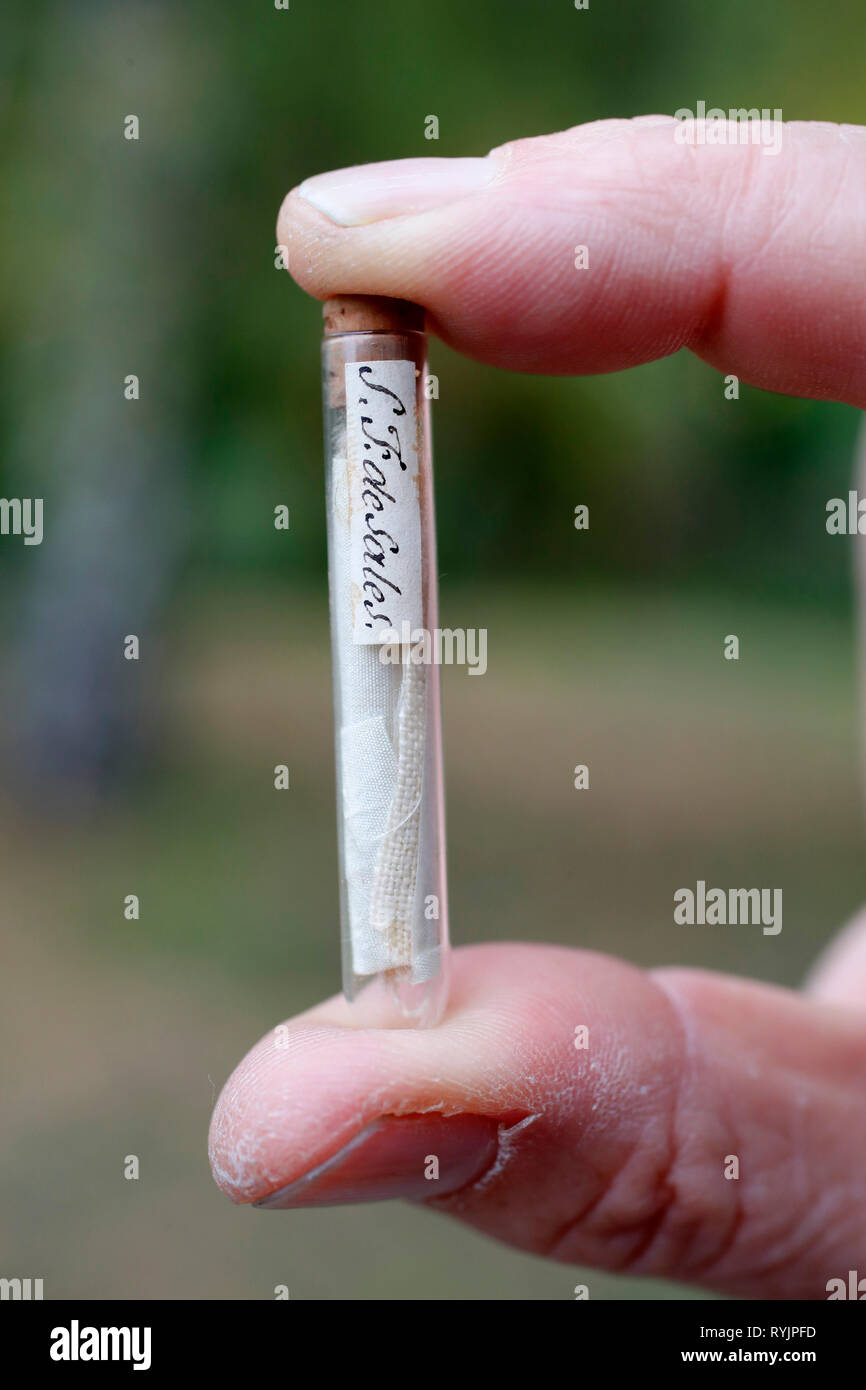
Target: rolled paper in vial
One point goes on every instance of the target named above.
(383, 599)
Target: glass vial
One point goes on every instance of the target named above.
(384, 616)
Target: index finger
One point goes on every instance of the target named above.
(612, 244)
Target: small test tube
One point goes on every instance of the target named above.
(384, 612)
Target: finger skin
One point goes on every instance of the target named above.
(839, 974)
(621, 1159)
(754, 261)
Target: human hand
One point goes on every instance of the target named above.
(615, 1155)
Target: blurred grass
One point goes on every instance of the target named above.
(729, 771)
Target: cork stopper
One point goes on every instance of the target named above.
(371, 313)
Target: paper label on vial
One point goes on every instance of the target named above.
(384, 499)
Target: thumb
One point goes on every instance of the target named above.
(678, 1124)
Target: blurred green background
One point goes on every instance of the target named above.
(156, 257)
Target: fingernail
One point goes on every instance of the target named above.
(413, 1157)
(373, 192)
